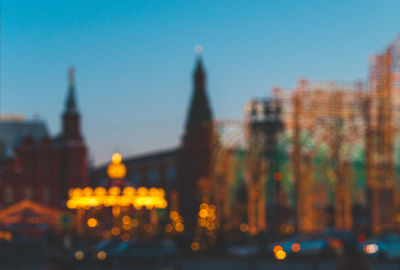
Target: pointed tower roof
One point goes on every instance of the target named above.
(71, 103)
(199, 111)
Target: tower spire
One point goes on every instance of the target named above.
(71, 117)
(199, 76)
(71, 103)
(199, 111)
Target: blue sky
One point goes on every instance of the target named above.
(134, 59)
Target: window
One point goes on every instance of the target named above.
(153, 176)
(136, 178)
(171, 175)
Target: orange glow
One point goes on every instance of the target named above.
(92, 222)
(116, 211)
(169, 228)
(203, 206)
(195, 246)
(296, 247)
(278, 176)
(244, 227)
(115, 231)
(126, 220)
(276, 248)
(101, 255)
(179, 227)
(79, 255)
(125, 237)
(174, 215)
(203, 213)
(126, 227)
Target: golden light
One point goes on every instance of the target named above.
(296, 247)
(116, 211)
(179, 227)
(195, 246)
(169, 228)
(126, 227)
(87, 191)
(115, 231)
(92, 222)
(244, 227)
(100, 191)
(126, 220)
(116, 170)
(125, 237)
(203, 206)
(79, 255)
(174, 215)
(116, 158)
(280, 254)
(203, 213)
(101, 255)
(203, 223)
(114, 191)
(277, 247)
(143, 197)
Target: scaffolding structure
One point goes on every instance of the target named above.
(330, 116)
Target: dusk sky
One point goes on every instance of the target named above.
(134, 59)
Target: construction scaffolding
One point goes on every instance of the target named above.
(325, 122)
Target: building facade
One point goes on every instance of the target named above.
(35, 166)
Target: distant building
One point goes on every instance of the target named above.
(151, 170)
(35, 166)
(178, 171)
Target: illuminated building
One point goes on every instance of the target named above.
(116, 209)
(177, 170)
(35, 166)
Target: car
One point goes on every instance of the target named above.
(315, 245)
(142, 251)
(89, 253)
(385, 246)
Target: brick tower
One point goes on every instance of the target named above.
(195, 155)
(73, 151)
